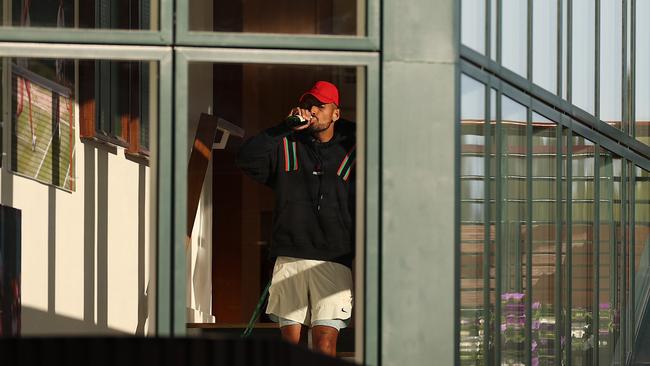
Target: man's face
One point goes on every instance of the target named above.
(324, 114)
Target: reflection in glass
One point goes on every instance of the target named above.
(514, 36)
(473, 24)
(99, 14)
(611, 26)
(472, 307)
(545, 44)
(544, 183)
(641, 236)
(84, 201)
(565, 239)
(583, 62)
(642, 73)
(609, 280)
(565, 48)
(286, 16)
(513, 231)
(582, 247)
(43, 125)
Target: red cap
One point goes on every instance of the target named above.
(324, 91)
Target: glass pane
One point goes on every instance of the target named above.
(545, 44)
(642, 73)
(565, 266)
(492, 267)
(338, 17)
(611, 26)
(582, 247)
(583, 66)
(641, 236)
(513, 231)
(84, 203)
(493, 30)
(609, 281)
(565, 48)
(472, 243)
(102, 14)
(544, 186)
(473, 24)
(514, 36)
(237, 230)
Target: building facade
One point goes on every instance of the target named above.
(501, 173)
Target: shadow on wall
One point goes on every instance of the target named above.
(45, 323)
(94, 320)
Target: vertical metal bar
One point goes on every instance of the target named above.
(179, 190)
(623, 297)
(529, 43)
(557, 303)
(499, 30)
(164, 177)
(625, 79)
(632, 76)
(569, 242)
(612, 256)
(488, 29)
(632, 258)
(529, 233)
(569, 50)
(597, 61)
(560, 46)
(486, 229)
(596, 257)
(499, 233)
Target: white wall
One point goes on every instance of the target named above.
(199, 253)
(84, 253)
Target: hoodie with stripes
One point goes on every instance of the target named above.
(314, 189)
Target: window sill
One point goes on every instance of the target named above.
(140, 158)
(100, 144)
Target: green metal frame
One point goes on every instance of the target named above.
(97, 36)
(574, 127)
(187, 55)
(161, 156)
(370, 42)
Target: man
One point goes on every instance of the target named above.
(310, 169)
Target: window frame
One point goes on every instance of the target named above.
(368, 140)
(163, 36)
(369, 42)
(163, 279)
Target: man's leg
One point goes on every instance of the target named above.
(291, 333)
(324, 339)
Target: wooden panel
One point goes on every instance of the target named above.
(199, 158)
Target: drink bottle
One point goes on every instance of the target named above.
(295, 120)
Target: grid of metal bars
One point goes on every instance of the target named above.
(571, 121)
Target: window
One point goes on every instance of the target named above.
(43, 128)
(333, 17)
(122, 89)
(106, 14)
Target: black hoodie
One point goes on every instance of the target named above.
(314, 190)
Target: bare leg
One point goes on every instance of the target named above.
(324, 339)
(291, 333)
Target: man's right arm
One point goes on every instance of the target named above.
(258, 156)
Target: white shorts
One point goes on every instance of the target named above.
(306, 290)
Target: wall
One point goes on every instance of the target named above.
(199, 253)
(418, 106)
(84, 253)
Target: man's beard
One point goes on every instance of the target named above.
(319, 127)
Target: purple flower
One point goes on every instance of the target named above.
(512, 296)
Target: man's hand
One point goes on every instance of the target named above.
(304, 113)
